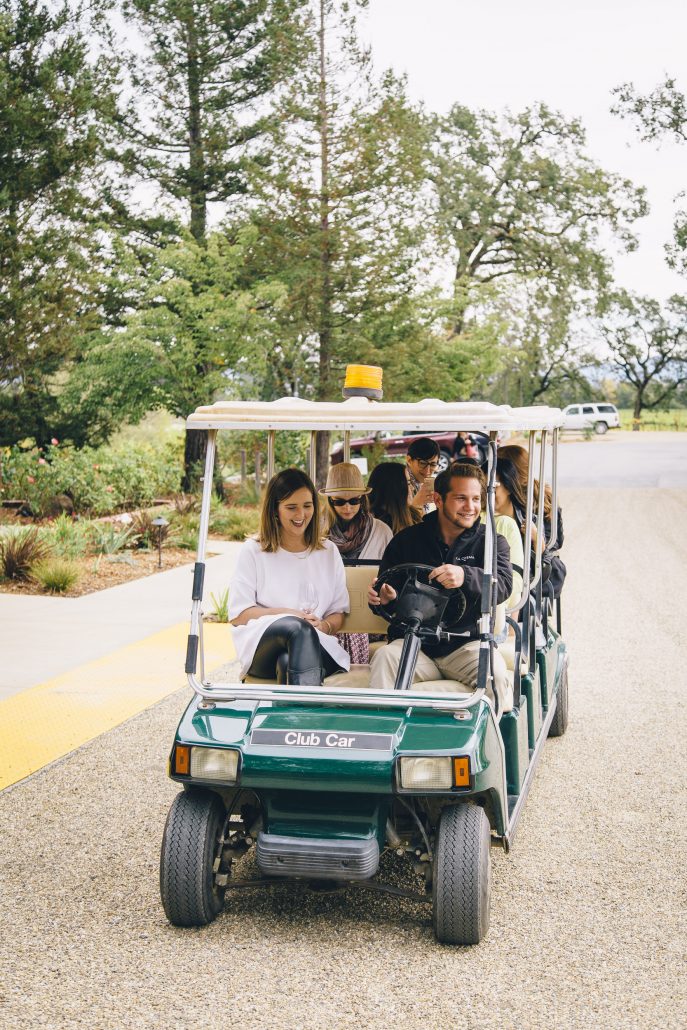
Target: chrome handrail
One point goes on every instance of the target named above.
(352, 697)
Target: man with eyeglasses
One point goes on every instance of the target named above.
(422, 465)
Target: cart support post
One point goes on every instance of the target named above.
(194, 638)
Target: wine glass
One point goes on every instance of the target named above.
(307, 598)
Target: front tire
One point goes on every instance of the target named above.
(600, 428)
(461, 886)
(189, 845)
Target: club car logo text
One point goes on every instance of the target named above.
(323, 738)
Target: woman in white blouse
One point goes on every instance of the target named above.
(288, 595)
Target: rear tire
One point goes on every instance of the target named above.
(559, 723)
(461, 886)
(600, 428)
(189, 845)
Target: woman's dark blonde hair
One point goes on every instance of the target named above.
(280, 488)
(519, 458)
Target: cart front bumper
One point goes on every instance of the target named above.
(317, 857)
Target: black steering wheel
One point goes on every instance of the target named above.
(430, 603)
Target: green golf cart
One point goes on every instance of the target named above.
(320, 781)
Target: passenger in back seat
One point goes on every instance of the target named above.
(354, 532)
(452, 540)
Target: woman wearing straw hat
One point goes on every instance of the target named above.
(348, 522)
(355, 533)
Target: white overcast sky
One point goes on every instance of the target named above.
(569, 55)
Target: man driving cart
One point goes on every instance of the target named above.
(451, 540)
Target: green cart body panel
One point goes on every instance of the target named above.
(312, 788)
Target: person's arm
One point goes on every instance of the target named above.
(474, 575)
(330, 624)
(393, 555)
(424, 495)
(504, 570)
(256, 611)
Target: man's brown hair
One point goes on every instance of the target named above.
(459, 470)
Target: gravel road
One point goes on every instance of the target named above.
(588, 911)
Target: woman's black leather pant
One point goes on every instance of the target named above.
(290, 650)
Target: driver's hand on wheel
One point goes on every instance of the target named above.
(449, 576)
(386, 594)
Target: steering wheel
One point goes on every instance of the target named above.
(445, 607)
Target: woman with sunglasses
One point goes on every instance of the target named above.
(355, 533)
(288, 593)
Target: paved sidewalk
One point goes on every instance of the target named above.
(42, 637)
(76, 667)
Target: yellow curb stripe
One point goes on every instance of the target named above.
(49, 720)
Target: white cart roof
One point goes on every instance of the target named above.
(358, 413)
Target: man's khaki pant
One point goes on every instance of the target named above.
(460, 665)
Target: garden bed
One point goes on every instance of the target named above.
(107, 571)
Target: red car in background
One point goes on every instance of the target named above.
(451, 445)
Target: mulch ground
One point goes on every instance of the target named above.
(108, 571)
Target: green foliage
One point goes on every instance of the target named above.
(340, 215)
(144, 534)
(673, 421)
(290, 450)
(67, 538)
(56, 575)
(108, 538)
(98, 481)
(200, 91)
(648, 346)
(20, 551)
(234, 523)
(220, 609)
(184, 530)
(185, 503)
(55, 100)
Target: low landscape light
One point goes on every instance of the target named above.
(160, 524)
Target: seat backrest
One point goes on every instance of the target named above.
(360, 619)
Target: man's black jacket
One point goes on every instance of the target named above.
(424, 545)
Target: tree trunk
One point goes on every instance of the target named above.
(637, 413)
(195, 447)
(196, 170)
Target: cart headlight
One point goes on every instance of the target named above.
(213, 763)
(426, 773)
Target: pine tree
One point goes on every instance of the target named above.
(338, 213)
(54, 102)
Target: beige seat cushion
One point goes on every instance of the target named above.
(360, 619)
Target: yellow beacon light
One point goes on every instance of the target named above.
(363, 381)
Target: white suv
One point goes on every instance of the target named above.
(600, 417)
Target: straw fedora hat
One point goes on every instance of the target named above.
(344, 478)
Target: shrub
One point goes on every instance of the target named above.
(56, 575)
(144, 534)
(98, 481)
(184, 504)
(184, 530)
(220, 610)
(67, 538)
(235, 523)
(107, 538)
(20, 551)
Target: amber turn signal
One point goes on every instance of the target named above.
(461, 772)
(182, 760)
